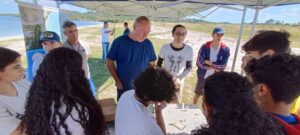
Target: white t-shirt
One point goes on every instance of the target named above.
(133, 118)
(74, 127)
(214, 53)
(105, 36)
(11, 107)
(213, 58)
(175, 61)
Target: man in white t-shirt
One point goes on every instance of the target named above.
(153, 86)
(177, 57)
(105, 32)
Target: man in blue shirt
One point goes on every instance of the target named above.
(133, 53)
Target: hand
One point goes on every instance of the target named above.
(217, 70)
(208, 62)
(177, 82)
(119, 85)
(160, 106)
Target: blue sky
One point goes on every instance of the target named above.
(288, 13)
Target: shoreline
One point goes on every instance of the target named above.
(19, 37)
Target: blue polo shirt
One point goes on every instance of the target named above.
(131, 58)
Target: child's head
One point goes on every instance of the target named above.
(230, 108)
(50, 40)
(218, 33)
(10, 65)
(267, 42)
(276, 79)
(155, 85)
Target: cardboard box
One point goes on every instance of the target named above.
(109, 108)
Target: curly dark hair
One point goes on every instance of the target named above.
(60, 81)
(281, 73)
(7, 56)
(278, 41)
(155, 84)
(235, 111)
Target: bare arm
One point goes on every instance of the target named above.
(112, 70)
(159, 116)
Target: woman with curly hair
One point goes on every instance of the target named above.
(13, 90)
(230, 108)
(60, 101)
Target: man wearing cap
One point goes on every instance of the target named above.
(50, 40)
(212, 57)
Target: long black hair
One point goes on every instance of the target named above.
(60, 81)
(235, 111)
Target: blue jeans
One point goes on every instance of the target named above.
(105, 47)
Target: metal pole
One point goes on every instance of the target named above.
(252, 32)
(239, 38)
(114, 23)
(255, 19)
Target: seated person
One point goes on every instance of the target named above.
(276, 82)
(13, 90)
(230, 108)
(153, 86)
(60, 101)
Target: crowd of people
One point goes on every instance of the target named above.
(61, 101)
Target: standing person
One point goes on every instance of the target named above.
(13, 90)
(153, 86)
(133, 53)
(59, 101)
(268, 43)
(230, 108)
(105, 32)
(276, 81)
(71, 31)
(212, 57)
(177, 57)
(127, 30)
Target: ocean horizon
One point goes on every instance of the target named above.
(11, 26)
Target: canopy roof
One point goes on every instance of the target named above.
(168, 8)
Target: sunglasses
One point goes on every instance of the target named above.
(47, 35)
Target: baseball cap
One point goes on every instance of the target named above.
(219, 30)
(49, 36)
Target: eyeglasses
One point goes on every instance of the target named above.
(180, 34)
(220, 34)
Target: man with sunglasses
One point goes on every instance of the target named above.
(212, 57)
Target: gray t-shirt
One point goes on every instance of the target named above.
(175, 61)
(80, 49)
